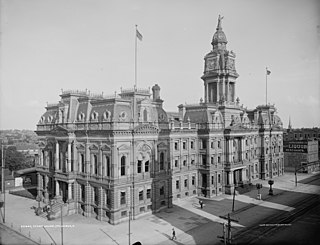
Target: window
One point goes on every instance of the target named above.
(95, 162)
(139, 166)
(184, 145)
(96, 195)
(212, 145)
(108, 166)
(191, 145)
(204, 159)
(177, 184)
(219, 159)
(192, 161)
(108, 196)
(212, 180)
(122, 197)
(184, 162)
(161, 161)
(161, 190)
(146, 166)
(204, 144)
(148, 193)
(83, 193)
(212, 161)
(193, 180)
(176, 145)
(140, 195)
(176, 163)
(219, 144)
(219, 178)
(186, 183)
(82, 163)
(123, 165)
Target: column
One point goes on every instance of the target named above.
(74, 160)
(57, 188)
(224, 89)
(69, 157)
(206, 92)
(87, 159)
(218, 90)
(100, 163)
(46, 194)
(57, 156)
(41, 157)
(69, 191)
(39, 185)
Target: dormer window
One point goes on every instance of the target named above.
(94, 115)
(42, 119)
(106, 115)
(50, 118)
(81, 116)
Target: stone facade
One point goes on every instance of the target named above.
(121, 156)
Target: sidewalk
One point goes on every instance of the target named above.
(185, 216)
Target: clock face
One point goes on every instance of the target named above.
(210, 64)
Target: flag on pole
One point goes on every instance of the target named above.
(268, 72)
(138, 34)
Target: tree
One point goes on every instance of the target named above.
(14, 160)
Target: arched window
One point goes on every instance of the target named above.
(161, 161)
(50, 159)
(146, 166)
(123, 165)
(145, 115)
(82, 164)
(108, 166)
(95, 164)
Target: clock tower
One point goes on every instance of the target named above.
(219, 74)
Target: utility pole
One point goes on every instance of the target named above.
(3, 185)
(61, 226)
(227, 239)
(234, 194)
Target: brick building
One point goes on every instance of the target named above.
(110, 157)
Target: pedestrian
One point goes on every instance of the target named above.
(173, 234)
(201, 204)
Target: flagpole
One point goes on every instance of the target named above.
(266, 85)
(135, 59)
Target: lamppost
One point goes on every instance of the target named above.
(259, 186)
(270, 182)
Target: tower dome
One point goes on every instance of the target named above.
(219, 39)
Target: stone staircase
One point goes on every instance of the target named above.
(54, 210)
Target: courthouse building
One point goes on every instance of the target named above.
(112, 157)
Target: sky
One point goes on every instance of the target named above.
(49, 45)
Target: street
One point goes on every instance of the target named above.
(291, 214)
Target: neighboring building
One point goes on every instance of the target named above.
(8, 180)
(301, 148)
(124, 155)
(301, 153)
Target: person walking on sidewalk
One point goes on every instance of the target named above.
(201, 204)
(173, 234)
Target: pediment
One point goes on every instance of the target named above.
(105, 148)
(59, 131)
(146, 129)
(80, 147)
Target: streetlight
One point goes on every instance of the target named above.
(270, 182)
(259, 186)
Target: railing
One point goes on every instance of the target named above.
(139, 90)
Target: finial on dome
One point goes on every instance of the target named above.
(219, 23)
